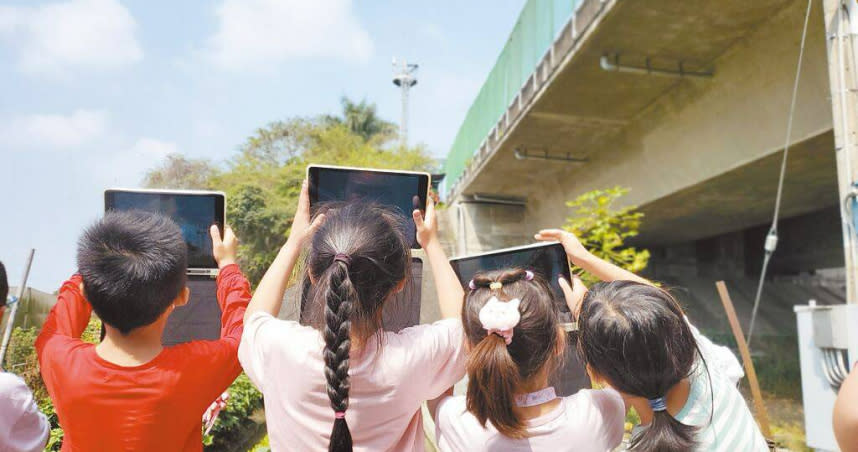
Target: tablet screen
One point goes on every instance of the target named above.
(547, 260)
(401, 191)
(193, 212)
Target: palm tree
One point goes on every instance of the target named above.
(362, 119)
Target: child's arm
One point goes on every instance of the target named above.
(68, 318)
(447, 285)
(215, 363)
(580, 257)
(846, 413)
(269, 293)
(233, 289)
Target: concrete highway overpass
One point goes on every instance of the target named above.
(696, 130)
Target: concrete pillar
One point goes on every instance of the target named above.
(841, 28)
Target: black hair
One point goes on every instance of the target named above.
(4, 285)
(636, 336)
(133, 265)
(496, 370)
(357, 257)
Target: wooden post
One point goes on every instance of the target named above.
(760, 408)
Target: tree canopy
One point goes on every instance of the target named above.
(263, 180)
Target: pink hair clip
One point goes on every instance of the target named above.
(528, 275)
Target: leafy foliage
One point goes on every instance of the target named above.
(603, 229)
(178, 171)
(235, 420)
(361, 119)
(263, 180)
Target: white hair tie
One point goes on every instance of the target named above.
(498, 317)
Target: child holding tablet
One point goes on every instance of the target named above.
(516, 342)
(343, 383)
(635, 338)
(130, 392)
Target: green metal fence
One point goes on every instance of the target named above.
(538, 24)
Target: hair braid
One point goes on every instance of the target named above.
(338, 309)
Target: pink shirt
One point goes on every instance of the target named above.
(590, 420)
(388, 384)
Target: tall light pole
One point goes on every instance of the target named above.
(404, 76)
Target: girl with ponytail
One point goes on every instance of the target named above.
(516, 343)
(635, 338)
(342, 383)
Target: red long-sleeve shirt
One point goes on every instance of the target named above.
(156, 406)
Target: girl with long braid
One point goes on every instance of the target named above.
(342, 383)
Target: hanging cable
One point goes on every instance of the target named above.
(772, 237)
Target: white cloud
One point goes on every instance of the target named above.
(53, 131)
(56, 38)
(127, 166)
(150, 149)
(261, 33)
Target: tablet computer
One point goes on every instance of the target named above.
(547, 260)
(199, 319)
(193, 210)
(403, 191)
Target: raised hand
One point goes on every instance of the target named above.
(574, 295)
(574, 248)
(302, 227)
(224, 250)
(427, 226)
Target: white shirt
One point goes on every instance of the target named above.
(23, 428)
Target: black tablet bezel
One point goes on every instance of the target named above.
(220, 208)
(423, 182)
(557, 247)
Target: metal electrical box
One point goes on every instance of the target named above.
(828, 349)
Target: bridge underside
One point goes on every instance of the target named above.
(744, 197)
(700, 155)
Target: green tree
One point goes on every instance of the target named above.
(263, 181)
(362, 120)
(178, 171)
(603, 229)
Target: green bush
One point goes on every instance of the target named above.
(234, 424)
(603, 229)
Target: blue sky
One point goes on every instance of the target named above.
(97, 91)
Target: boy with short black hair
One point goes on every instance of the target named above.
(129, 392)
(23, 428)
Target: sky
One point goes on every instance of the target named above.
(95, 92)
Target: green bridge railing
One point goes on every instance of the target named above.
(538, 24)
